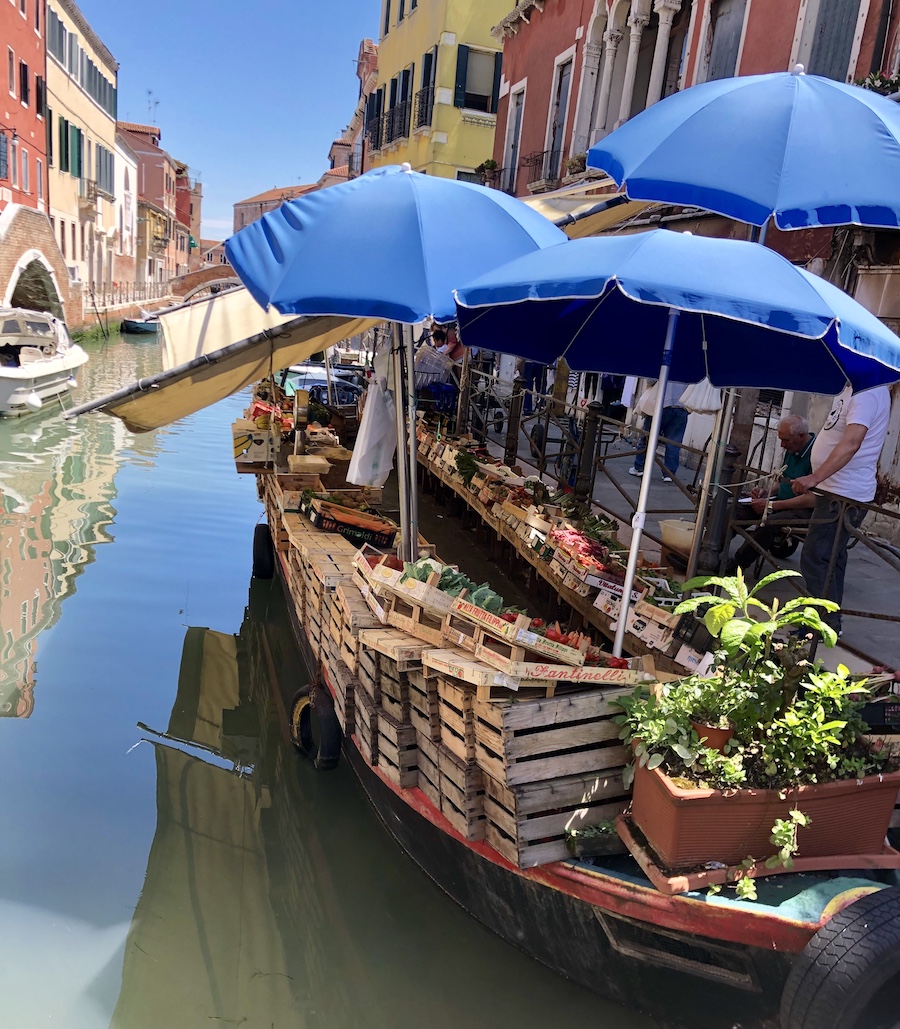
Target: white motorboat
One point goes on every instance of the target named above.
(38, 360)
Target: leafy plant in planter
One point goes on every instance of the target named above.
(795, 733)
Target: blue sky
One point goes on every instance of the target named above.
(250, 95)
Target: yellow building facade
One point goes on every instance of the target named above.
(81, 143)
(435, 101)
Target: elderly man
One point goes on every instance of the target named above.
(844, 463)
(786, 508)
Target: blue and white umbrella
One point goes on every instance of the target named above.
(806, 150)
(390, 244)
(666, 303)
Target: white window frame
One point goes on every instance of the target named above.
(26, 177)
(11, 71)
(14, 164)
(514, 90)
(563, 58)
(39, 174)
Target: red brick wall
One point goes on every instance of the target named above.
(23, 230)
(769, 36)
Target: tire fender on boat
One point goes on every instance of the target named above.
(315, 729)
(263, 552)
(852, 960)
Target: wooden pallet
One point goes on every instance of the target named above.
(535, 740)
(527, 824)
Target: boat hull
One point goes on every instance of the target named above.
(140, 327)
(50, 380)
(708, 983)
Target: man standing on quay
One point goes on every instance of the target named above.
(844, 462)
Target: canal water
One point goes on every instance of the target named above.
(167, 861)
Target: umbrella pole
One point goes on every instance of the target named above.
(402, 452)
(413, 444)
(640, 514)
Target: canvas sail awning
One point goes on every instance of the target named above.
(216, 347)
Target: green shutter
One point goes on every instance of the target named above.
(495, 94)
(4, 156)
(462, 70)
(63, 144)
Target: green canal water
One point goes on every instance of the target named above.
(167, 861)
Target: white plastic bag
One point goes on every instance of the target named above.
(373, 451)
(647, 400)
(702, 398)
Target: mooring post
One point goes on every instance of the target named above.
(511, 449)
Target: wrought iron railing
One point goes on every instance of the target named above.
(375, 133)
(543, 166)
(396, 121)
(424, 107)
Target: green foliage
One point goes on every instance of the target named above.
(466, 465)
(792, 721)
(784, 836)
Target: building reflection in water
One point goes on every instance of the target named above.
(57, 486)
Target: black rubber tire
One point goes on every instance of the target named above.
(536, 440)
(263, 552)
(315, 730)
(853, 960)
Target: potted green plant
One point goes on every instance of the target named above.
(487, 170)
(576, 164)
(796, 742)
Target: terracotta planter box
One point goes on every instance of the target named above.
(690, 827)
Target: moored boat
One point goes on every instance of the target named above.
(477, 782)
(38, 360)
(141, 326)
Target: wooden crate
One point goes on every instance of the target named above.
(534, 740)
(395, 695)
(462, 793)
(369, 681)
(367, 660)
(423, 704)
(397, 750)
(406, 650)
(418, 621)
(527, 823)
(344, 685)
(356, 613)
(456, 717)
(366, 726)
(459, 631)
(429, 775)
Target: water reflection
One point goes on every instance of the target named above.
(57, 487)
(273, 897)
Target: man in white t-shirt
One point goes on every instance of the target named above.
(844, 462)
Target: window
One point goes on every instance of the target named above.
(23, 8)
(39, 175)
(40, 96)
(4, 156)
(24, 83)
(62, 237)
(11, 65)
(14, 163)
(37, 16)
(413, 4)
(468, 176)
(726, 25)
(477, 79)
(425, 96)
(513, 140)
(26, 177)
(82, 242)
(560, 114)
(76, 154)
(401, 10)
(387, 17)
(73, 240)
(49, 126)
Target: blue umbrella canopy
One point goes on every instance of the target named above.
(390, 244)
(809, 150)
(747, 316)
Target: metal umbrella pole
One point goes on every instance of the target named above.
(413, 448)
(402, 451)
(640, 514)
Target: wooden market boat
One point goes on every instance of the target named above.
(481, 754)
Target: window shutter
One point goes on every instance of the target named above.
(495, 94)
(48, 122)
(63, 144)
(462, 69)
(4, 156)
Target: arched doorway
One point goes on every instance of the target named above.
(35, 289)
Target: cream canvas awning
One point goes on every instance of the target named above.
(213, 349)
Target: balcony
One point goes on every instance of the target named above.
(374, 133)
(396, 122)
(543, 169)
(159, 243)
(88, 192)
(423, 108)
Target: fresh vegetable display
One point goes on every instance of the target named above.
(466, 465)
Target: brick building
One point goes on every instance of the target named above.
(253, 208)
